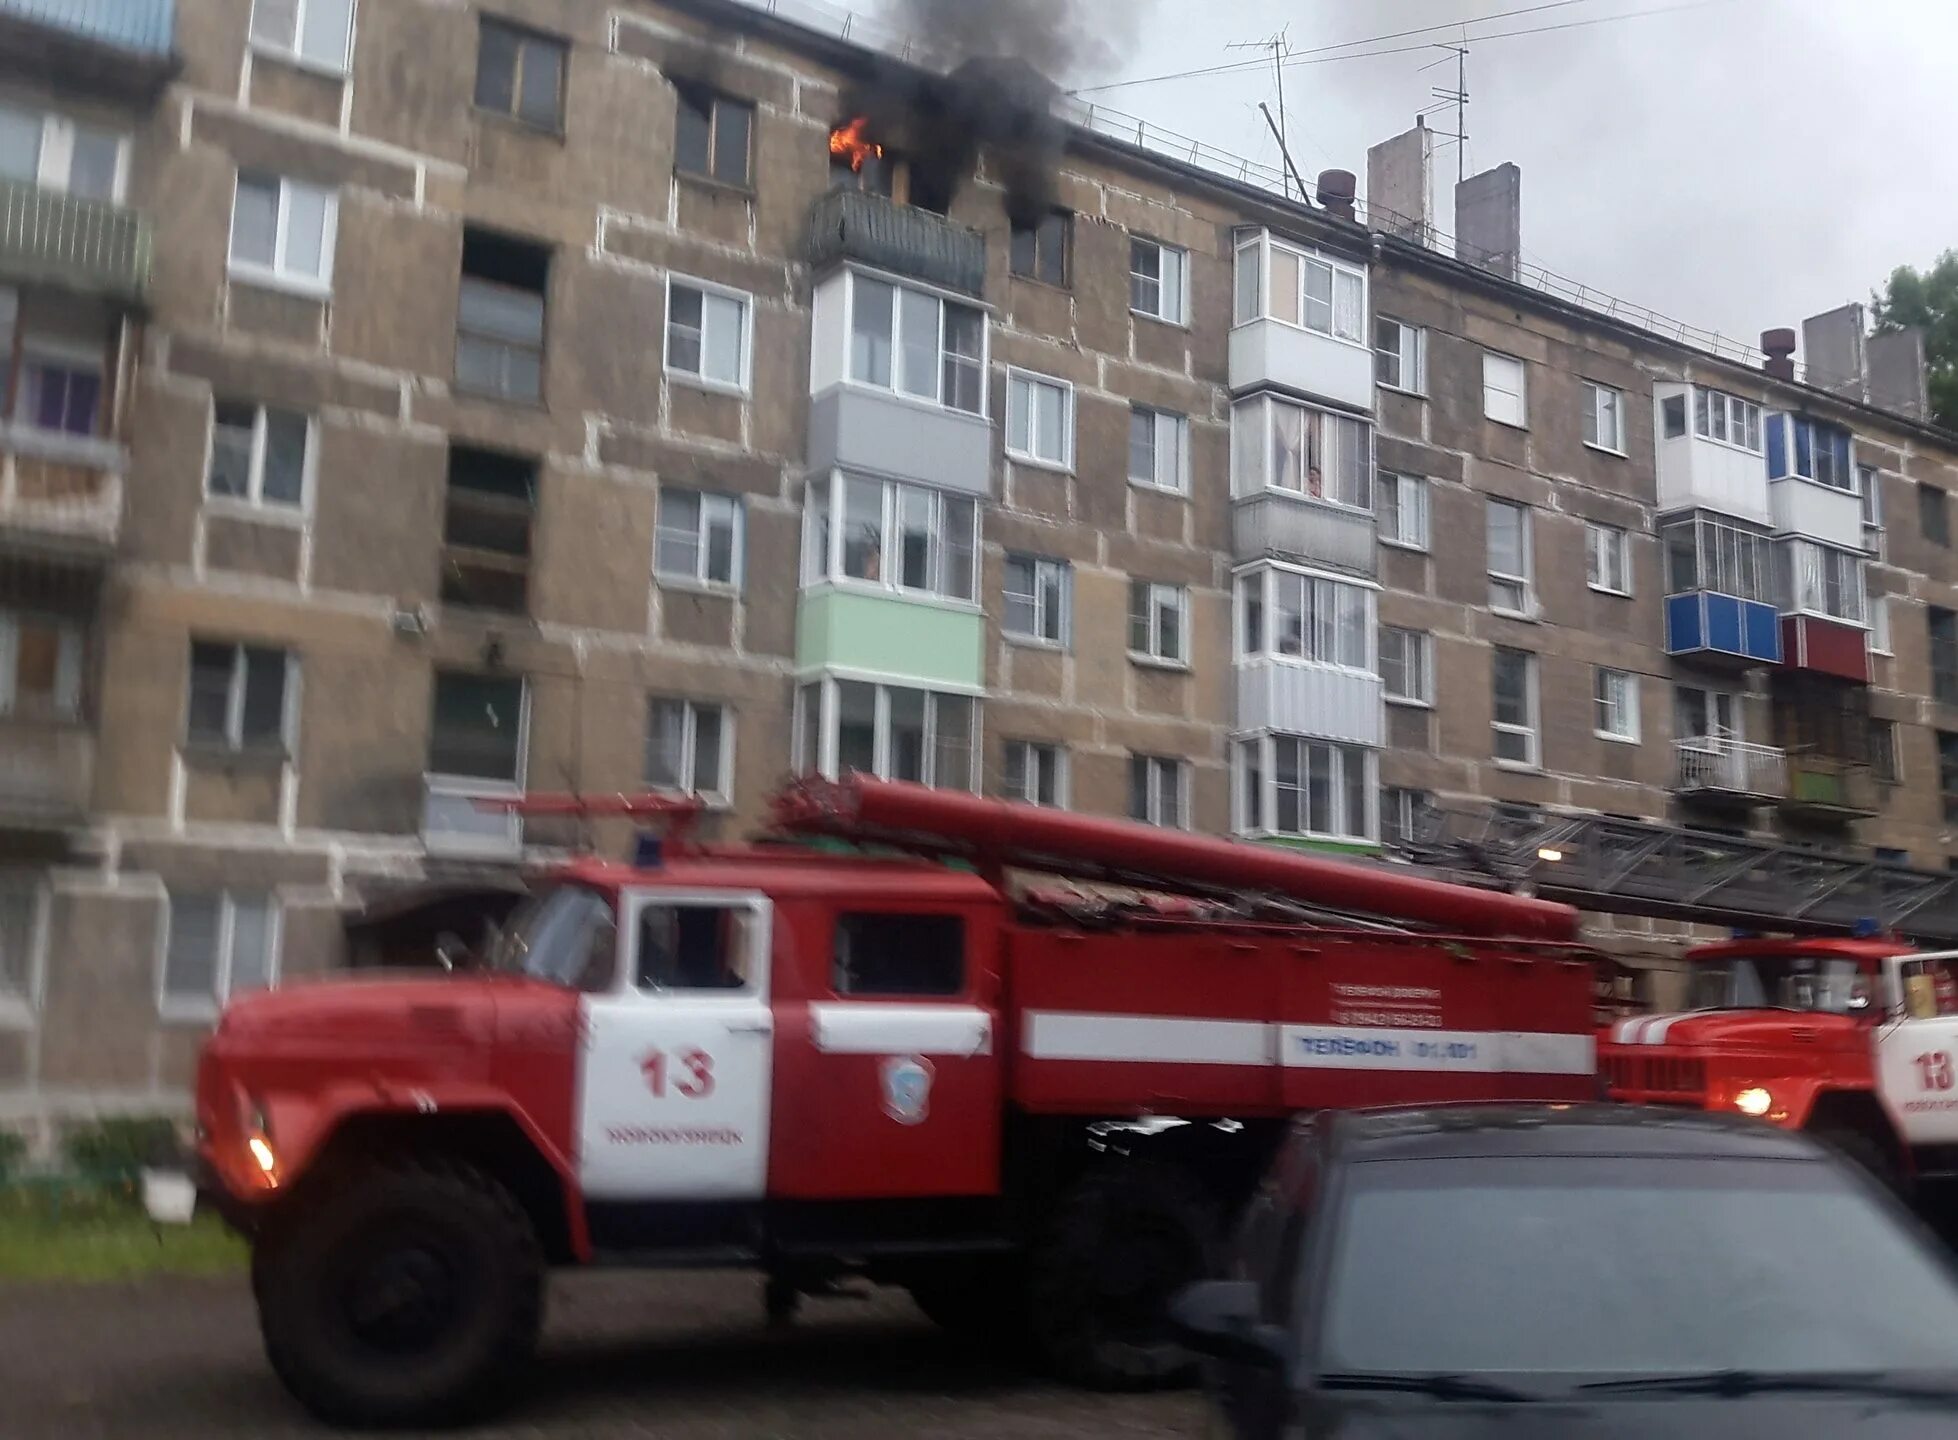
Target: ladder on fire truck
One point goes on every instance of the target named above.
(1619, 866)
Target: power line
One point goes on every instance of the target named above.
(1320, 57)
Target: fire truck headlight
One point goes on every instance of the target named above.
(1753, 1101)
(262, 1153)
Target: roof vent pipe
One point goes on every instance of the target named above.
(1780, 345)
(1336, 191)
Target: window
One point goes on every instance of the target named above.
(1885, 763)
(282, 232)
(1043, 251)
(1821, 580)
(1948, 776)
(1514, 676)
(1407, 665)
(1726, 418)
(1313, 619)
(707, 333)
(899, 955)
(1943, 627)
(1400, 358)
(477, 728)
(1401, 506)
(1890, 855)
(1038, 596)
(500, 319)
(1879, 612)
(219, 946)
(1604, 418)
(315, 31)
(40, 667)
(1403, 814)
(697, 539)
(1869, 489)
(60, 389)
(238, 696)
(1672, 411)
(1503, 382)
(1276, 445)
(1300, 287)
(1157, 276)
(57, 153)
(712, 137)
(1292, 786)
(917, 344)
(889, 731)
(700, 946)
(689, 749)
(1158, 786)
(1034, 773)
(1932, 516)
(1708, 554)
(1616, 695)
(487, 512)
(520, 74)
(1810, 449)
(1159, 449)
(1159, 622)
(1039, 420)
(903, 537)
(20, 978)
(1510, 573)
(1607, 559)
(258, 454)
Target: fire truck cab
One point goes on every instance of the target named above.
(1854, 1039)
(1037, 1111)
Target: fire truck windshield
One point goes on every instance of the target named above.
(567, 937)
(1829, 984)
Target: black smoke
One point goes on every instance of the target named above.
(1069, 40)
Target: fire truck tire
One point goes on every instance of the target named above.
(410, 1291)
(1871, 1154)
(1123, 1242)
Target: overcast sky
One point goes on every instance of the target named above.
(1737, 164)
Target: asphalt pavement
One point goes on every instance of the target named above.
(678, 1356)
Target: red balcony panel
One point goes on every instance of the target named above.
(1828, 647)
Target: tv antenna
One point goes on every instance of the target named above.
(1459, 98)
(1280, 46)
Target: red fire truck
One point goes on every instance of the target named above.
(1855, 1039)
(1036, 1109)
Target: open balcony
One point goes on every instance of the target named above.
(117, 49)
(1830, 788)
(855, 225)
(47, 772)
(92, 247)
(59, 494)
(1720, 770)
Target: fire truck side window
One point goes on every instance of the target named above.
(1930, 989)
(693, 947)
(899, 955)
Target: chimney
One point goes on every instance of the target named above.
(1489, 220)
(1401, 185)
(1336, 191)
(1780, 347)
(1897, 378)
(1832, 348)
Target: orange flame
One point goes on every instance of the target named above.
(848, 142)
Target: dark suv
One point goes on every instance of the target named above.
(1572, 1271)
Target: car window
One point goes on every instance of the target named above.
(899, 955)
(1930, 988)
(1628, 1266)
(695, 947)
(567, 937)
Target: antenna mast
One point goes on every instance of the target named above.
(1459, 98)
(1280, 46)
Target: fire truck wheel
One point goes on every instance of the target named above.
(1871, 1154)
(1123, 1243)
(409, 1292)
(983, 1305)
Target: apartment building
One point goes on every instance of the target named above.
(431, 402)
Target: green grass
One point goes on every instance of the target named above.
(83, 1238)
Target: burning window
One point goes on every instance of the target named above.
(856, 162)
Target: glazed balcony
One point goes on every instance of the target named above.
(117, 49)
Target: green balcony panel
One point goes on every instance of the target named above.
(91, 246)
(922, 642)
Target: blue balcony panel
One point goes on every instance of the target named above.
(1710, 626)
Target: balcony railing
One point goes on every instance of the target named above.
(48, 237)
(46, 772)
(1829, 786)
(1719, 766)
(61, 488)
(855, 225)
(1296, 527)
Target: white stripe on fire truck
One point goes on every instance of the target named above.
(1658, 1028)
(1166, 1040)
(871, 1029)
